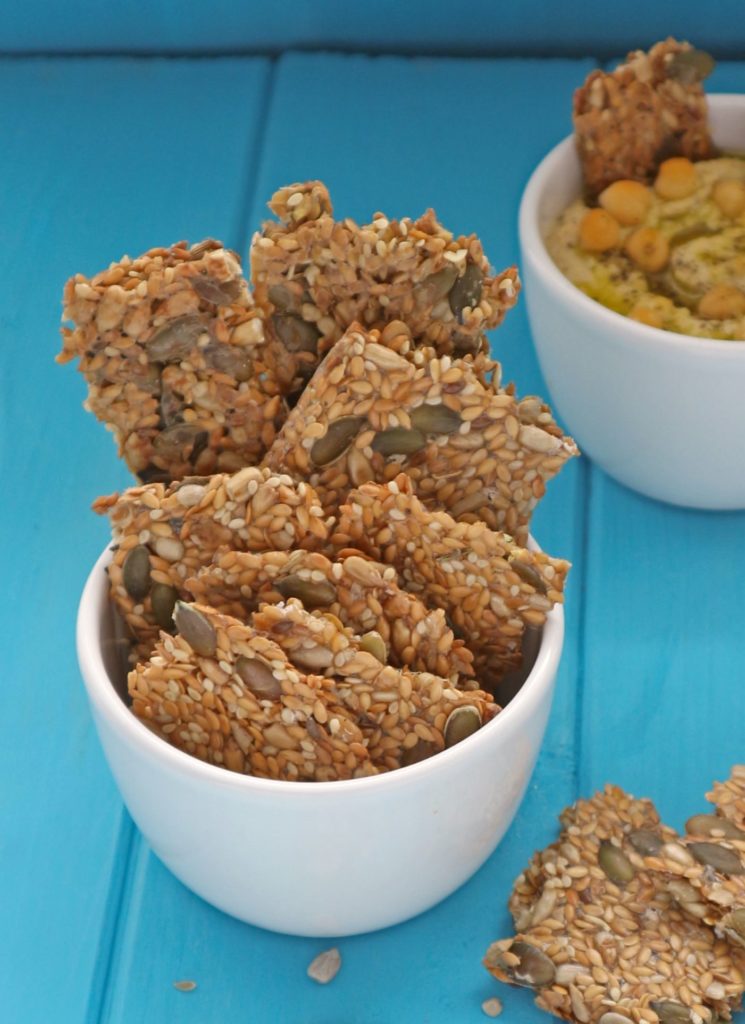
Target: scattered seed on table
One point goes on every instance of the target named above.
(492, 1007)
(185, 986)
(325, 967)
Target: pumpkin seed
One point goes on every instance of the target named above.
(534, 970)
(374, 644)
(336, 440)
(313, 593)
(461, 723)
(195, 629)
(614, 862)
(421, 750)
(228, 359)
(467, 290)
(176, 437)
(435, 287)
(718, 857)
(296, 334)
(708, 824)
(283, 299)
(136, 572)
(398, 441)
(691, 66)
(174, 340)
(529, 574)
(435, 419)
(152, 474)
(258, 677)
(222, 293)
(312, 659)
(671, 1012)
(163, 599)
(736, 921)
(645, 842)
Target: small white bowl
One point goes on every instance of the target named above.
(333, 858)
(663, 413)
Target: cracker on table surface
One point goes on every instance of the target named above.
(471, 447)
(163, 534)
(490, 588)
(599, 936)
(315, 276)
(650, 108)
(361, 593)
(176, 361)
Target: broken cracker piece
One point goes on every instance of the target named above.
(652, 107)
(176, 361)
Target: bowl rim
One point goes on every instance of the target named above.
(106, 700)
(533, 245)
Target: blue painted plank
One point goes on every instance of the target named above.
(383, 136)
(96, 158)
(532, 27)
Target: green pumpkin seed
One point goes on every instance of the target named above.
(467, 290)
(645, 842)
(296, 334)
(435, 419)
(435, 287)
(228, 359)
(176, 437)
(163, 599)
(670, 1012)
(222, 293)
(258, 677)
(421, 750)
(461, 723)
(336, 440)
(195, 629)
(534, 970)
(136, 572)
(718, 857)
(174, 340)
(709, 824)
(398, 441)
(736, 921)
(691, 66)
(283, 299)
(374, 644)
(614, 862)
(313, 593)
(529, 574)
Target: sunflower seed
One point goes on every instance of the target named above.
(671, 1012)
(258, 677)
(374, 644)
(398, 441)
(435, 287)
(222, 293)
(645, 842)
(435, 419)
(313, 593)
(163, 599)
(336, 440)
(461, 723)
(174, 340)
(529, 575)
(296, 334)
(276, 735)
(467, 290)
(325, 966)
(712, 824)
(611, 1017)
(614, 862)
(718, 857)
(691, 66)
(195, 629)
(468, 503)
(136, 572)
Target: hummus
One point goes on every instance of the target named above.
(700, 288)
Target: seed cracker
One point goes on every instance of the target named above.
(363, 594)
(470, 445)
(176, 361)
(230, 696)
(650, 108)
(164, 534)
(489, 587)
(729, 797)
(600, 938)
(315, 276)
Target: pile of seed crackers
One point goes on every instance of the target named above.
(324, 568)
(623, 921)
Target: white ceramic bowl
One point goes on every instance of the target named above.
(661, 412)
(330, 858)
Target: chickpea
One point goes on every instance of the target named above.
(598, 231)
(628, 201)
(729, 195)
(646, 315)
(722, 301)
(676, 178)
(648, 248)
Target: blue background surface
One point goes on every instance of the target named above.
(100, 156)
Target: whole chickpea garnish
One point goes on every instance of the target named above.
(648, 248)
(598, 231)
(628, 201)
(721, 302)
(729, 195)
(676, 178)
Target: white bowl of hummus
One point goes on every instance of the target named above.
(650, 383)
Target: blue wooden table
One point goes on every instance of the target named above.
(104, 156)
